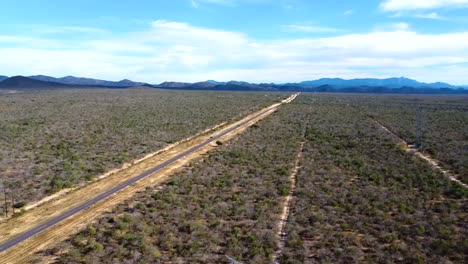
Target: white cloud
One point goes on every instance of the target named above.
(398, 5)
(27, 41)
(432, 15)
(416, 14)
(400, 26)
(309, 28)
(348, 12)
(169, 50)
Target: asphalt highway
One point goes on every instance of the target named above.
(55, 220)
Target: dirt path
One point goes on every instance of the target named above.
(23, 253)
(282, 235)
(287, 203)
(433, 162)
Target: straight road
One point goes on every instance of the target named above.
(55, 220)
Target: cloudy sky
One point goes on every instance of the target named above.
(249, 40)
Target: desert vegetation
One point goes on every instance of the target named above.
(228, 203)
(361, 199)
(445, 124)
(51, 140)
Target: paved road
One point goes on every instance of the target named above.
(49, 223)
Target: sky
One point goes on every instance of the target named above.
(248, 40)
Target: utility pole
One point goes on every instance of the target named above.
(1, 187)
(5, 196)
(419, 128)
(12, 203)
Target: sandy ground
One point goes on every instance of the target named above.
(433, 162)
(24, 252)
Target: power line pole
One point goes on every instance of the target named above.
(419, 128)
(1, 187)
(12, 202)
(5, 197)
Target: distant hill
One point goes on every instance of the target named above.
(391, 85)
(214, 82)
(210, 84)
(3, 78)
(21, 83)
(388, 83)
(231, 86)
(87, 81)
(203, 85)
(43, 82)
(385, 90)
(172, 85)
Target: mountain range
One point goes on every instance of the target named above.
(390, 85)
(86, 81)
(22, 83)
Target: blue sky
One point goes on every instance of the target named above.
(250, 40)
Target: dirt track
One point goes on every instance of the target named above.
(287, 203)
(23, 253)
(434, 163)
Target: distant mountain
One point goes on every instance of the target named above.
(203, 85)
(3, 78)
(389, 83)
(208, 85)
(229, 86)
(128, 83)
(215, 82)
(238, 86)
(87, 81)
(21, 82)
(242, 86)
(239, 83)
(172, 85)
(385, 90)
(230, 82)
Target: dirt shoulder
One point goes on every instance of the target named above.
(23, 252)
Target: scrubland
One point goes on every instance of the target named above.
(228, 203)
(360, 198)
(445, 124)
(52, 140)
